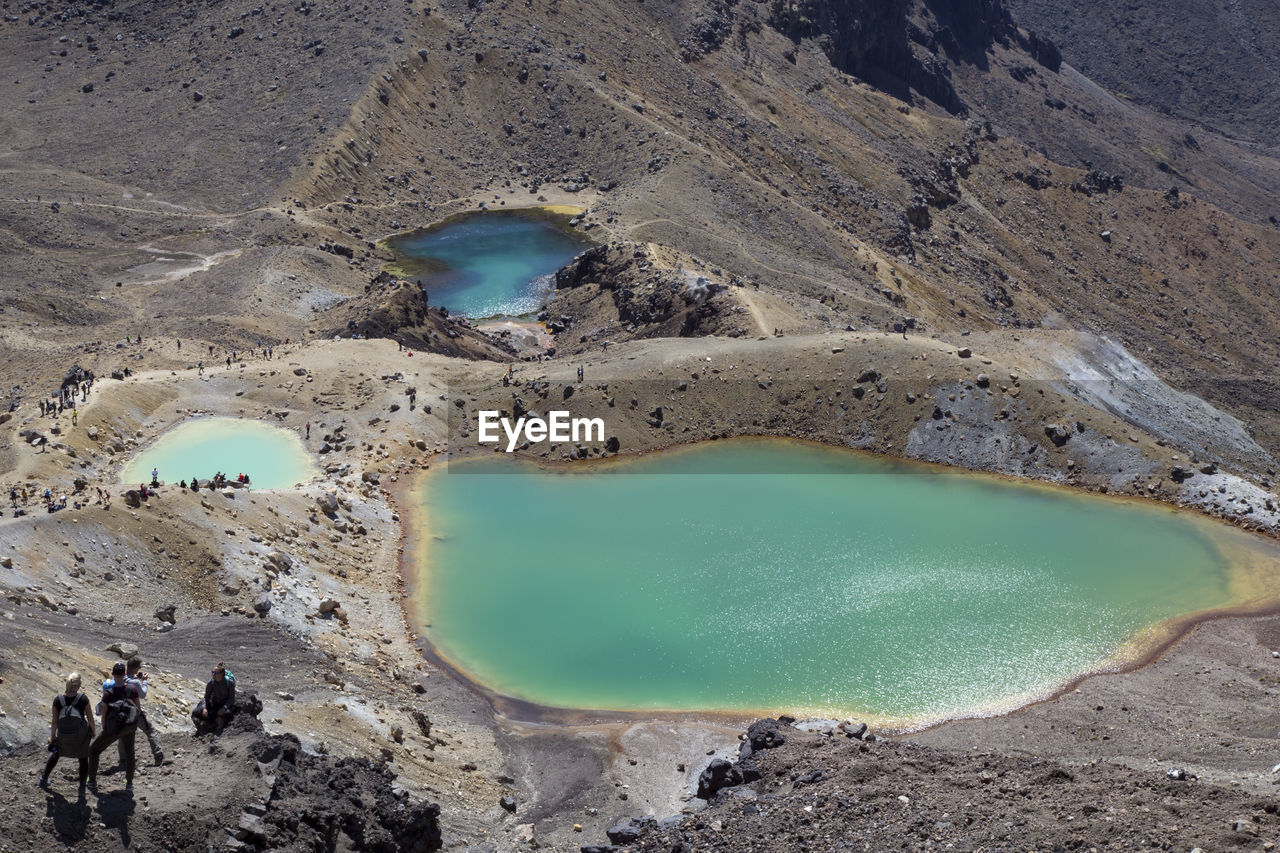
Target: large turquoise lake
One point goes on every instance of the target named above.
(764, 576)
(488, 264)
(273, 458)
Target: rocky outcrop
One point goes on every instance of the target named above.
(720, 773)
(900, 45)
(317, 800)
(647, 300)
(398, 309)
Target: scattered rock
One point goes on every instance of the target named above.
(124, 649)
(1245, 826)
(853, 730)
(1057, 433)
(629, 830)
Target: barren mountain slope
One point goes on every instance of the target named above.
(1212, 62)
(695, 126)
(915, 191)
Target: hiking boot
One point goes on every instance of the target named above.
(128, 787)
(92, 785)
(43, 783)
(158, 757)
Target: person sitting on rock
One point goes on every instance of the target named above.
(121, 705)
(71, 730)
(219, 701)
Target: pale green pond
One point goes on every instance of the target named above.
(764, 576)
(274, 458)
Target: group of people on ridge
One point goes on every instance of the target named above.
(73, 734)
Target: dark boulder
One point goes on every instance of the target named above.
(765, 734)
(719, 774)
(629, 830)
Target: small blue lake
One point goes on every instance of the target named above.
(488, 264)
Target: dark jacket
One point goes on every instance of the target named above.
(220, 694)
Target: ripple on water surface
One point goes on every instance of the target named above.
(274, 458)
(770, 576)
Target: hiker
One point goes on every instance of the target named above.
(219, 701)
(195, 484)
(74, 412)
(70, 731)
(579, 373)
(135, 676)
(308, 431)
(155, 478)
(120, 707)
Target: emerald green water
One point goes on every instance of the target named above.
(272, 457)
(769, 576)
(487, 264)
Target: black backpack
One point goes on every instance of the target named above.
(120, 707)
(73, 728)
(70, 718)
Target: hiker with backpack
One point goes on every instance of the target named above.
(121, 705)
(71, 730)
(219, 701)
(138, 678)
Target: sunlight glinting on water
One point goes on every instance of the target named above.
(905, 596)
